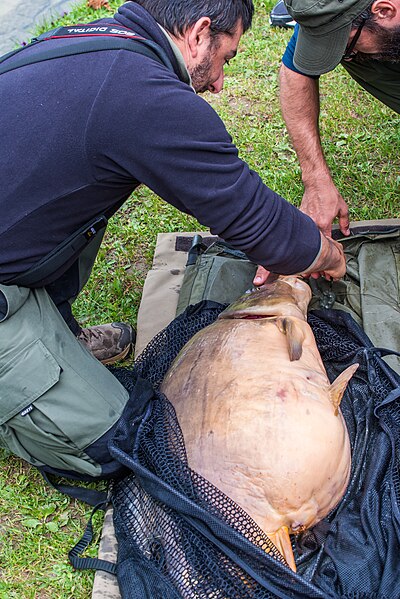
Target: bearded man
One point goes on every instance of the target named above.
(364, 38)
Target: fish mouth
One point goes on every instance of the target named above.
(251, 316)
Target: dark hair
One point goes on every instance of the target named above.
(177, 15)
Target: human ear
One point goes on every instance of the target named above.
(384, 9)
(199, 35)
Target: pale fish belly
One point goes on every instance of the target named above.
(260, 427)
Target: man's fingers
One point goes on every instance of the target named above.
(344, 224)
(261, 276)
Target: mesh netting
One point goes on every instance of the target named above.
(179, 536)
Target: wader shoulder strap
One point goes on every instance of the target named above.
(60, 255)
(100, 37)
(105, 38)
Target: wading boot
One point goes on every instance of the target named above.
(109, 343)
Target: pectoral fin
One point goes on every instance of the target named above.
(338, 387)
(294, 336)
(281, 540)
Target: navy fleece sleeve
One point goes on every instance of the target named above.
(287, 57)
(167, 137)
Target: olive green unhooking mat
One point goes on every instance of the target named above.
(370, 292)
(371, 288)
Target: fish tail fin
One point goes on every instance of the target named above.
(294, 336)
(281, 540)
(338, 387)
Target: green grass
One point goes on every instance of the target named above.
(361, 141)
(38, 526)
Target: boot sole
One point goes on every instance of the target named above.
(121, 356)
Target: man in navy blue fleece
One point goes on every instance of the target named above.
(365, 38)
(79, 134)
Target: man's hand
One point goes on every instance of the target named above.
(331, 263)
(323, 203)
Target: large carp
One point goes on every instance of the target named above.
(260, 419)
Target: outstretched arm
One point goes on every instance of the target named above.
(299, 98)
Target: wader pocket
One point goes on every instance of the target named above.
(27, 376)
(30, 417)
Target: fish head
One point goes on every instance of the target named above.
(300, 290)
(281, 295)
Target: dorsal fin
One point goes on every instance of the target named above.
(338, 387)
(294, 336)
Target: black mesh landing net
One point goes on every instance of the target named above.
(180, 537)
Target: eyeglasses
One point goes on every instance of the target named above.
(350, 53)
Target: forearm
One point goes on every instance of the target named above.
(299, 98)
